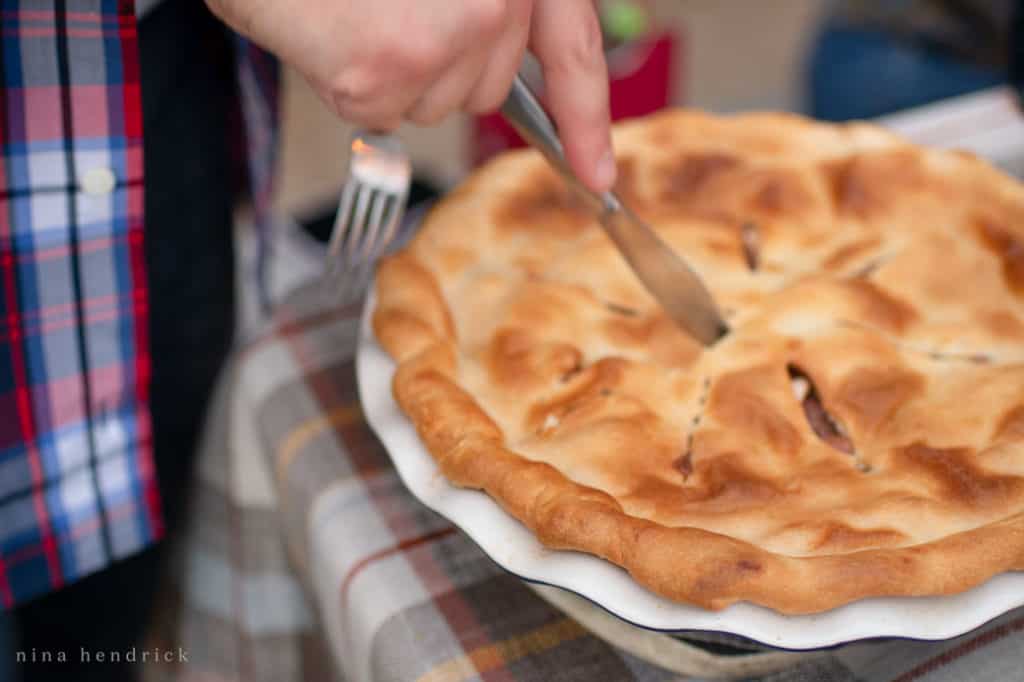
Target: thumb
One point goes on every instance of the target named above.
(565, 36)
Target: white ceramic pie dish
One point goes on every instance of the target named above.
(514, 548)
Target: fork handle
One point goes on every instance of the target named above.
(528, 117)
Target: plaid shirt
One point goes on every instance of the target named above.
(77, 479)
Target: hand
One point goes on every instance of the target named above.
(377, 63)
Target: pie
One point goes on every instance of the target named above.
(858, 433)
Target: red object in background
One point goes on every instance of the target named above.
(642, 81)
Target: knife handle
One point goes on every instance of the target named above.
(522, 110)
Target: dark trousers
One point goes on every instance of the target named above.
(186, 92)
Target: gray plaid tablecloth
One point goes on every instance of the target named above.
(306, 558)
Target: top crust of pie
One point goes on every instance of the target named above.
(860, 432)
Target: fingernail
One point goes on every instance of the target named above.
(606, 171)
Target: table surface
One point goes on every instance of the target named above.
(306, 559)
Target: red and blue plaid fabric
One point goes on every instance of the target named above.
(77, 479)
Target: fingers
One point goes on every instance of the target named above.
(407, 59)
(450, 91)
(377, 90)
(478, 82)
(566, 38)
(381, 111)
(504, 61)
(379, 63)
(464, 57)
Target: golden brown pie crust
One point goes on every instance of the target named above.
(859, 433)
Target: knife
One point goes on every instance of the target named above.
(668, 278)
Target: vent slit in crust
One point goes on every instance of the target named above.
(684, 463)
(972, 357)
(867, 269)
(872, 265)
(822, 423)
(572, 372)
(623, 310)
(750, 238)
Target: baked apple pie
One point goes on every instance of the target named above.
(859, 432)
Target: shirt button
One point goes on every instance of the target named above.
(98, 181)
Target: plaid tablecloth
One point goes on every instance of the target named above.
(307, 559)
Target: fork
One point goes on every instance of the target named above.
(371, 207)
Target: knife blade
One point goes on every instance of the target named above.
(668, 278)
